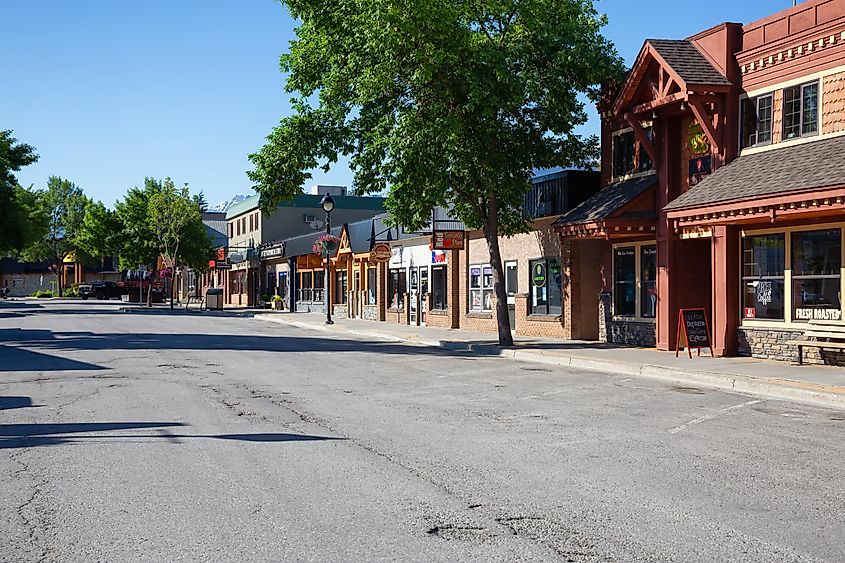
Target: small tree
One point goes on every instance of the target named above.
(172, 213)
(101, 232)
(441, 103)
(64, 205)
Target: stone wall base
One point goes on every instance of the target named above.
(770, 344)
(631, 333)
(369, 312)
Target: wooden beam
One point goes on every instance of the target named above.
(642, 137)
(706, 122)
(668, 86)
(659, 103)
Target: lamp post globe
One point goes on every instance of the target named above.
(327, 203)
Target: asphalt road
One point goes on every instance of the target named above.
(157, 437)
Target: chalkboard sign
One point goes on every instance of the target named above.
(693, 325)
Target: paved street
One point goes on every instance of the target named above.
(158, 437)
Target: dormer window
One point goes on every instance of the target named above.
(757, 121)
(800, 110)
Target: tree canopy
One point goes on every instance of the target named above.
(439, 102)
(19, 220)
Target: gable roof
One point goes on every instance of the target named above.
(607, 201)
(686, 60)
(787, 170)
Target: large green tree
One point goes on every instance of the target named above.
(20, 223)
(439, 102)
(137, 245)
(100, 234)
(63, 204)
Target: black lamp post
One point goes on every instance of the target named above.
(327, 204)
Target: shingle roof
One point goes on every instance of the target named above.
(360, 236)
(808, 166)
(215, 227)
(607, 201)
(692, 66)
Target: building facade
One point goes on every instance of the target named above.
(723, 186)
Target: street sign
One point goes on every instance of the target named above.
(448, 240)
(381, 252)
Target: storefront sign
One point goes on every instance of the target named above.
(695, 330)
(818, 314)
(381, 252)
(538, 274)
(750, 313)
(212, 264)
(221, 253)
(272, 252)
(222, 266)
(699, 168)
(236, 258)
(448, 240)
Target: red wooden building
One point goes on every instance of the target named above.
(723, 166)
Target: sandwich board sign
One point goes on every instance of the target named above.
(693, 331)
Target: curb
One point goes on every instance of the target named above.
(829, 396)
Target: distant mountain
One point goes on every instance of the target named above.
(224, 206)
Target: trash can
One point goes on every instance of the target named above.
(214, 298)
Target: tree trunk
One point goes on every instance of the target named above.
(172, 280)
(150, 294)
(491, 234)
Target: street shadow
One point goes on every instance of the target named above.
(12, 402)
(16, 359)
(53, 434)
(211, 343)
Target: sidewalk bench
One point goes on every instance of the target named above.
(827, 334)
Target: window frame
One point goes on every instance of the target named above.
(535, 310)
(372, 285)
(483, 289)
(437, 268)
(636, 167)
(341, 287)
(789, 278)
(745, 278)
(742, 120)
(801, 110)
(397, 286)
(637, 246)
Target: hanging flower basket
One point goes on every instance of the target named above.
(325, 243)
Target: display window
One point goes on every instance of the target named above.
(546, 287)
(635, 281)
(481, 288)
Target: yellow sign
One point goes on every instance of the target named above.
(69, 258)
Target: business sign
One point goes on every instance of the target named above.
(276, 251)
(381, 253)
(699, 168)
(236, 258)
(448, 240)
(221, 253)
(222, 266)
(818, 314)
(212, 264)
(695, 330)
(538, 274)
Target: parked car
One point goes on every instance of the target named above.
(83, 290)
(102, 290)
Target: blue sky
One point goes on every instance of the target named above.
(112, 91)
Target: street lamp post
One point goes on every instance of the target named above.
(327, 204)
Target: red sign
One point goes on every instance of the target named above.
(448, 240)
(212, 264)
(221, 254)
(750, 313)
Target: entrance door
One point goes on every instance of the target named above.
(423, 275)
(412, 294)
(511, 287)
(356, 294)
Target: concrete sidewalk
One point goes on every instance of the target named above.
(820, 385)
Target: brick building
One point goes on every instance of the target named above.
(723, 186)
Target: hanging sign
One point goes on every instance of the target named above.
(221, 253)
(448, 240)
(693, 326)
(538, 274)
(381, 252)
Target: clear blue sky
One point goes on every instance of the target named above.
(112, 91)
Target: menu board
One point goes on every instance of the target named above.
(693, 326)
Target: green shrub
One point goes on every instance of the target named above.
(43, 294)
(71, 292)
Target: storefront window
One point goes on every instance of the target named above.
(546, 294)
(625, 281)
(341, 286)
(763, 262)
(396, 286)
(319, 284)
(629, 156)
(481, 288)
(648, 282)
(372, 285)
(438, 288)
(305, 286)
(816, 263)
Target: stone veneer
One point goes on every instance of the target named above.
(632, 333)
(770, 344)
(369, 312)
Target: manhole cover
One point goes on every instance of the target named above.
(688, 390)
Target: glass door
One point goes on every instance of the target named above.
(423, 277)
(511, 288)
